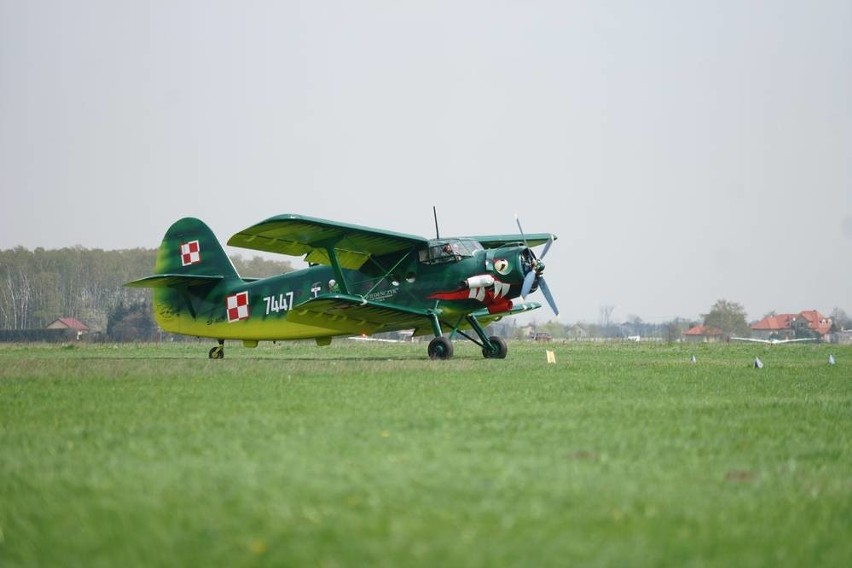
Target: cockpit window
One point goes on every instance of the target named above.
(449, 250)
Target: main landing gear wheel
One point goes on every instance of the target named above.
(440, 348)
(498, 348)
(217, 352)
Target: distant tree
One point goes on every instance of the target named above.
(38, 286)
(259, 267)
(673, 330)
(554, 328)
(605, 323)
(605, 317)
(840, 320)
(730, 317)
(634, 326)
(131, 323)
(593, 329)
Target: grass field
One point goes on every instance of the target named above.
(368, 454)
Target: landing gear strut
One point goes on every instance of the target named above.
(217, 352)
(492, 347)
(497, 350)
(441, 348)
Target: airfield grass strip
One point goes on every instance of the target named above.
(370, 454)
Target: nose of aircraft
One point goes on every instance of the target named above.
(533, 268)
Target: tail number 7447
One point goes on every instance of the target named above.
(281, 303)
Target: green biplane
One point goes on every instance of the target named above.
(360, 281)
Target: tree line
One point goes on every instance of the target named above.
(725, 316)
(39, 286)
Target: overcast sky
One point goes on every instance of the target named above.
(682, 151)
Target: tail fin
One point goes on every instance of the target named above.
(190, 255)
(190, 263)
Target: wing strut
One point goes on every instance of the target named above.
(335, 266)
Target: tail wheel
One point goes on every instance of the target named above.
(217, 352)
(440, 348)
(498, 349)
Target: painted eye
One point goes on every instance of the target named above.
(501, 265)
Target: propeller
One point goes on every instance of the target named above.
(535, 275)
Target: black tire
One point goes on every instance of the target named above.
(217, 352)
(440, 348)
(498, 350)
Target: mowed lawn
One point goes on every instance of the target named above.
(369, 454)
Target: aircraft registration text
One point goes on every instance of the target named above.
(281, 303)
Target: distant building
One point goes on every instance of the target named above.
(702, 334)
(774, 327)
(816, 322)
(790, 326)
(69, 323)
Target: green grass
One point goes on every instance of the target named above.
(367, 454)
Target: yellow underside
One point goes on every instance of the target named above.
(256, 330)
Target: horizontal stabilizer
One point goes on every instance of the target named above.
(174, 280)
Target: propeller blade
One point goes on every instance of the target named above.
(536, 270)
(518, 221)
(542, 285)
(529, 279)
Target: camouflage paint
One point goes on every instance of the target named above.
(198, 292)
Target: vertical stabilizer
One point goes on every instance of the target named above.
(190, 265)
(191, 249)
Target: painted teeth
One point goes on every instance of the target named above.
(500, 289)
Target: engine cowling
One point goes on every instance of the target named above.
(481, 281)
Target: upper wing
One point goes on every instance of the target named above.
(495, 241)
(297, 235)
(751, 339)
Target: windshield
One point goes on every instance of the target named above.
(449, 250)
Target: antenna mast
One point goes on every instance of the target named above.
(435, 214)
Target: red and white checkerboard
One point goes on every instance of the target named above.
(238, 308)
(190, 253)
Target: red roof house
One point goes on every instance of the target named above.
(817, 322)
(68, 323)
(779, 326)
(702, 333)
(786, 326)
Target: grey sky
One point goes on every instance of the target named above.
(682, 151)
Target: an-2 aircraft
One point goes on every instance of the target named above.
(360, 281)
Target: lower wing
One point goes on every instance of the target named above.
(354, 315)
